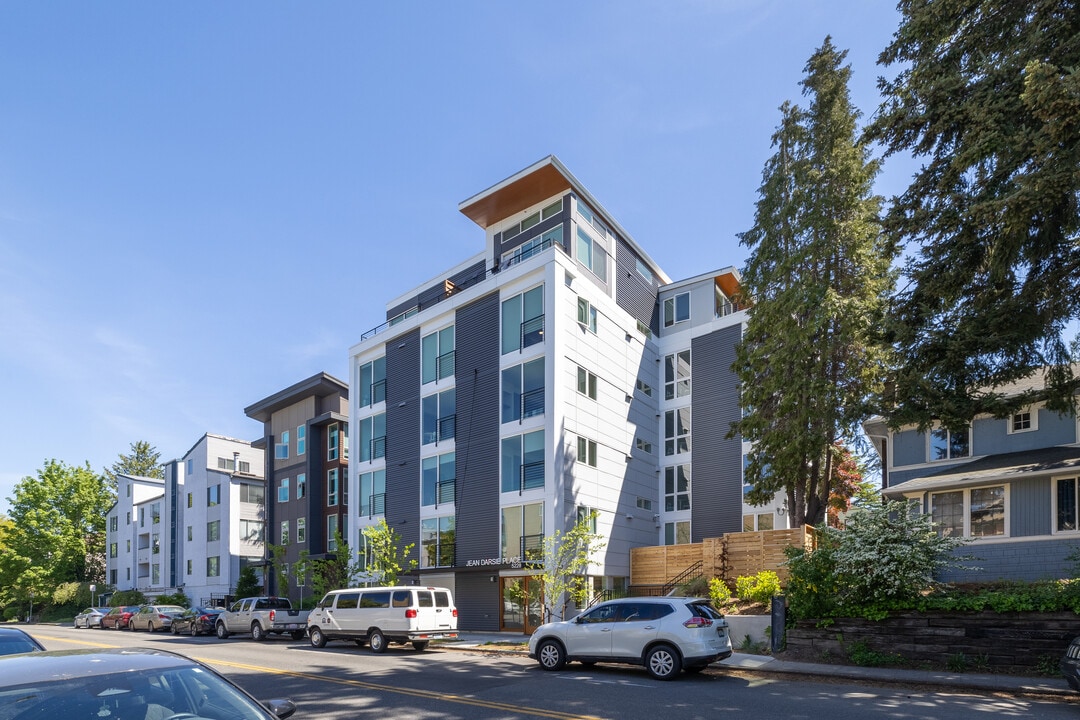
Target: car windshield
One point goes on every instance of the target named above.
(143, 694)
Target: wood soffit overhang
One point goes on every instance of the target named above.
(537, 186)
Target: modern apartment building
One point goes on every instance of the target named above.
(557, 372)
(195, 529)
(306, 447)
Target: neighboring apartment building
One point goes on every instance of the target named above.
(193, 530)
(1010, 485)
(557, 372)
(306, 447)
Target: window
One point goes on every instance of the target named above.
(142, 517)
(522, 532)
(438, 415)
(331, 532)
(344, 441)
(977, 512)
(155, 575)
(533, 246)
(643, 270)
(114, 550)
(523, 390)
(586, 451)
(301, 530)
(676, 309)
(301, 439)
(586, 382)
(252, 531)
(284, 532)
(586, 314)
(281, 449)
(761, 521)
(155, 513)
(438, 479)
(332, 487)
(229, 465)
(332, 441)
(128, 545)
(643, 445)
(128, 517)
(301, 485)
(213, 495)
(591, 255)
(947, 445)
(373, 382)
(373, 493)
(523, 462)
(1024, 422)
(189, 535)
(190, 500)
(677, 375)
(588, 516)
(283, 490)
(644, 387)
(644, 503)
(677, 431)
(523, 320)
(155, 544)
(437, 355)
(676, 533)
(676, 488)
(437, 542)
(373, 437)
(1065, 505)
(189, 566)
(114, 523)
(213, 566)
(213, 531)
(252, 494)
(190, 470)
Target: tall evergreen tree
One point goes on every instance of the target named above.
(144, 461)
(988, 98)
(818, 278)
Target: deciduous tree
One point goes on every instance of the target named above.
(389, 558)
(566, 562)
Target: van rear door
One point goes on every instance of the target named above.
(445, 612)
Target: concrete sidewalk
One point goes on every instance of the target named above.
(766, 665)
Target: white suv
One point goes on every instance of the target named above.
(665, 634)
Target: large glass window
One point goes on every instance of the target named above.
(523, 532)
(333, 441)
(523, 320)
(523, 462)
(373, 382)
(677, 488)
(677, 431)
(677, 533)
(333, 486)
(252, 530)
(373, 437)
(676, 309)
(281, 449)
(978, 512)
(438, 417)
(948, 445)
(283, 490)
(301, 439)
(437, 479)
(677, 375)
(373, 493)
(437, 355)
(213, 531)
(523, 390)
(591, 255)
(437, 542)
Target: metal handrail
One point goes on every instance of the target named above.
(690, 573)
(530, 473)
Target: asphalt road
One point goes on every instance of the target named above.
(343, 681)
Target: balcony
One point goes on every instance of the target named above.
(532, 403)
(532, 331)
(532, 548)
(378, 447)
(446, 493)
(376, 505)
(532, 476)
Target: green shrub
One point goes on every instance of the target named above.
(11, 613)
(177, 598)
(759, 588)
(719, 593)
(127, 597)
(957, 663)
(863, 655)
(697, 587)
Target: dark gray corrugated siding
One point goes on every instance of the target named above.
(633, 293)
(477, 600)
(403, 437)
(501, 247)
(716, 471)
(477, 432)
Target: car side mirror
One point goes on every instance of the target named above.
(280, 708)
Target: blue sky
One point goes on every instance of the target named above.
(166, 169)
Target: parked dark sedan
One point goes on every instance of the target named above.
(196, 621)
(119, 617)
(122, 683)
(14, 640)
(1070, 664)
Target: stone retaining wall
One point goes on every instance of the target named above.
(1007, 642)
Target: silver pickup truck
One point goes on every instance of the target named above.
(262, 616)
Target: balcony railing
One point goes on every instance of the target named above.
(532, 331)
(532, 403)
(439, 554)
(532, 548)
(378, 392)
(378, 447)
(532, 475)
(376, 504)
(445, 364)
(447, 427)
(446, 492)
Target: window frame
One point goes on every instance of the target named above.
(935, 432)
(587, 451)
(673, 309)
(283, 490)
(966, 500)
(587, 383)
(587, 314)
(677, 384)
(301, 440)
(1032, 422)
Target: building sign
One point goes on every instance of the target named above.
(484, 562)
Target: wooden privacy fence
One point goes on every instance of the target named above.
(728, 557)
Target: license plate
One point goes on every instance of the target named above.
(291, 626)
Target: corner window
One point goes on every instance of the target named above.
(677, 375)
(948, 445)
(676, 309)
(523, 462)
(523, 390)
(523, 320)
(591, 255)
(437, 355)
(373, 382)
(586, 315)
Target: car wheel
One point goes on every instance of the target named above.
(663, 662)
(174, 630)
(257, 632)
(194, 630)
(420, 645)
(131, 625)
(297, 634)
(377, 641)
(317, 638)
(551, 655)
(222, 633)
(150, 626)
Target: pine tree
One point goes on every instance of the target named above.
(987, 97)
(144, 461)
(818, 278)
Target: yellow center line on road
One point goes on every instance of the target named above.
(74, 642)
(429, 695)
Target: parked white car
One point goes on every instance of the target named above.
(379, 616)
(665, 634)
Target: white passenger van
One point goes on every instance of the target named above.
(382, 615)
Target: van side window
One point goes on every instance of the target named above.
(375, 600)
(402, 598)
(348, 601)
(442, 599)
(423, 598)
(327, 601)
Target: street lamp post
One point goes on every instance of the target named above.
(31, 613)
(93, 599)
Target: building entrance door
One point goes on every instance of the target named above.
(522, 604)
